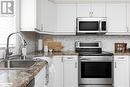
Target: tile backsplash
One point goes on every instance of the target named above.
(31, 43)
(107, 41)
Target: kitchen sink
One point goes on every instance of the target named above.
(18, 64)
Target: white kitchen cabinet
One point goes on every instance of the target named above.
(121, 71)
(38, 14)
(28, 15)
(66, 19)
(128, 17)
(65, 71)
(83, 10)
(116, 17)
(91, 10)
(57, 62)
(41, 14)
(40, 78)
(70, 71)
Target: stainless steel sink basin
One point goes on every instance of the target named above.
(21, 64)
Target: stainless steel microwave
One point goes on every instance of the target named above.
(91, 25)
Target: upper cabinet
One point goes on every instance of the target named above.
(91, 10)
(83, 10)
(41, 14)
(28, 15)
(60, 19)
(38, 14)
(66, 19)
(87, 1)
(116, 17)
(128, 17)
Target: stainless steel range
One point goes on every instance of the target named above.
(95, 65)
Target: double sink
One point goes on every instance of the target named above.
(17, 63)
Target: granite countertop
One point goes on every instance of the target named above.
(20, 78)
(35, 54)
(119, 54)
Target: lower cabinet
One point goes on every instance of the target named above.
(121, 71)
(70, 68)
(40, 78)
(58, 71)
(66, 71)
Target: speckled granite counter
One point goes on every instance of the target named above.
(35, 54)
(120, 54)
(19, 78)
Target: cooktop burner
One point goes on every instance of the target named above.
(103, 53)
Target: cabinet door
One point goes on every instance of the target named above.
(98, 10)
(46, 16)
(66, 18)
(128, 17)
(121, 71)
(52, 17)
(116, 17)
(83, 10)
(28, 15)
(40, 78)
(91, 10)
(70, 71)
(42, 11)
(58, 71)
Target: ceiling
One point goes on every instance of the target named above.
(87, 1)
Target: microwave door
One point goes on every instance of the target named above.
(88, 26)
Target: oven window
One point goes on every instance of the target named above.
(88, 26)
(96, 69)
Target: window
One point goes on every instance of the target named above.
(7, 26)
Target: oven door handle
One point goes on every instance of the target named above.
(85, 59)
(91, 60)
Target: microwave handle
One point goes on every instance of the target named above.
(100, 25)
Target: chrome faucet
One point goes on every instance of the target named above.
(7, 45)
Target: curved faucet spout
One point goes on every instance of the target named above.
(7, 45)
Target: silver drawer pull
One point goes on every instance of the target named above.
(115, 65)
(121, 58)
(69, 58)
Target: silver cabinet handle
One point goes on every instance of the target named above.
(62, 59)
(121, 58)
(115, 65)
(76, 66)
(127, 29)
(69, 58)
(41, 27)
(90, 14)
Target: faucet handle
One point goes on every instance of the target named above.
(10, 53)
(25, 43)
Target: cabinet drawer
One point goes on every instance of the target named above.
(121, 58)
(67, 58)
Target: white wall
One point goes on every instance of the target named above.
(107, 41)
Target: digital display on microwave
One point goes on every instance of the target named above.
(88, 26)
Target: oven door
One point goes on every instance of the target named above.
(88, 25)
(95, 72)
